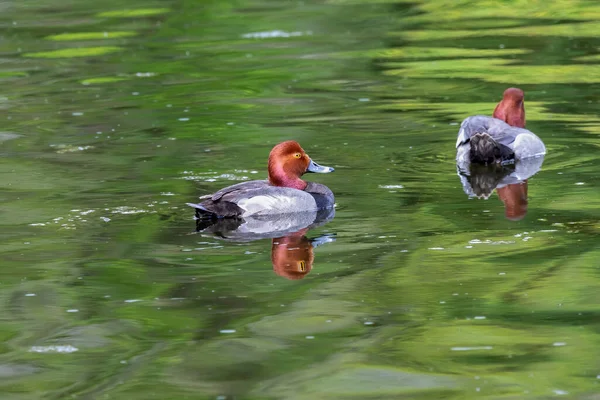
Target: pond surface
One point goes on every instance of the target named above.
(114, 117)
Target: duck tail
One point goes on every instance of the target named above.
(485, 150)
(202, 212)
(209, 209)
(204, 218)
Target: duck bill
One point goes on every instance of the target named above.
(320, 169)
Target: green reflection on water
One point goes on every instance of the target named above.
(90, 36)
(75, 52)
(139, 12)
(109, 292)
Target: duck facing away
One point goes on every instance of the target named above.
(283, 193)
(501, 138)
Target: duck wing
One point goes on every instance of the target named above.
(499, 130)
(239, 188)
(223, 203)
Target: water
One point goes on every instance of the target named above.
(114, 118)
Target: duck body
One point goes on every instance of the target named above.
(263, 227)
(260, 198)
(487, 140)
(283, 193)
(501, 138)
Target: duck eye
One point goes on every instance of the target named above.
(302, 266)
(297, 155)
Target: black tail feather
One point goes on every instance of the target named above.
(206, 218)
(485, 150)
(220, 208)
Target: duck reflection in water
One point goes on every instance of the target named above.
(292, 255)
(292, 252)
(510, 182)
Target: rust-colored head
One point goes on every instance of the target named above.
(292, 256)
(288, 162)
(512, 109)
(514, 197)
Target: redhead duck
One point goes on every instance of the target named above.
(283, 193)
(501, 139)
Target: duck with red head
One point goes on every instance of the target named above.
(283, 193)
(288, 162)
(501, 138)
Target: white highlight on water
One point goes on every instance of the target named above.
(471, 348)
(53, 349)
(391, 187)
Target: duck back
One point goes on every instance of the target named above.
(486, 140)
(485, 150)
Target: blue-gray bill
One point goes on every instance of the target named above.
(314, 167)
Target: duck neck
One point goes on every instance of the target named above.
(278, 176)
(283, 180)
(511, 113)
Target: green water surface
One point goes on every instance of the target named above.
(115, 114)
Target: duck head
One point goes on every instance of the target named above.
(292, 256)
(511, 109)
(288, 162)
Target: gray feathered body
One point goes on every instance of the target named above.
(487, 140)
(256, 198)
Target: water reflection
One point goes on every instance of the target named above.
(292, 252)
(510, 182)
(292, 255)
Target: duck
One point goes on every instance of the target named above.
(501, 138)
(284, 191)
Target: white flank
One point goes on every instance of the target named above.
(265, 204)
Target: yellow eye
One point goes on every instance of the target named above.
(297, 155)
(302, 266)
